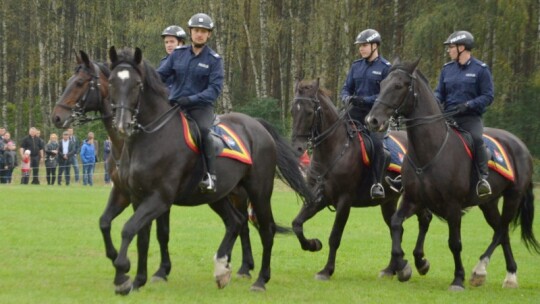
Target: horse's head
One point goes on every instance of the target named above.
(396, 96)
(126, 84)
(304, 111)
(85, 92)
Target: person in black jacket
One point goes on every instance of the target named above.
(33, 143)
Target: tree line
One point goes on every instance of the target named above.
(266, 46)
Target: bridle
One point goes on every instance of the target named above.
(417, 121)
(158, 122)
(314, 137)
(79, 110)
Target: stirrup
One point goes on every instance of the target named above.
(377, 191)
(483, 188)
(395, 184)
(208, 184)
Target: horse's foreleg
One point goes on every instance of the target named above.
(398, 264)
(116, 204)
(233, 221)
(424, 219)
(342, 215)
(143, 242)
(144, 214)
(306, 212)
(162, 232)
(454, 242)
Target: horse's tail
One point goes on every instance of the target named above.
(288, 163)
(526, 217)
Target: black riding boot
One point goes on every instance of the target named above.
(208, 184)
(482, 188)
(379, 165)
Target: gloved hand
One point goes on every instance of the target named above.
(462, 108)
(183, 101)
(354, 100)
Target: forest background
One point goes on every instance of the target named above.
(266, 45)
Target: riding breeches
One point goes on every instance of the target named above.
(204, 116)
(474, 125)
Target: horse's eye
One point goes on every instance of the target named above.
(80, 83)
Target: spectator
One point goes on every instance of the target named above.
(88, 158)
(25, 167)
(2, 160)
(51, 158)
(75, 160)
(107, 148)
(66, 151)
(35, 145)
(10, 159)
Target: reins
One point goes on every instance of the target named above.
(418, 121)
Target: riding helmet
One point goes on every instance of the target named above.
(202, 21)
(368, 36)
(461, 38)
(176, 31)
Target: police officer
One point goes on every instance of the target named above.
(466, 89)
(360, 90)
(173, 37)
(198, 72)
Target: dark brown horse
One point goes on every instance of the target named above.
(154, 179)
(338, 175)
(87, 91)
(438, 175)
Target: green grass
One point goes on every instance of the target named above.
(52, 252)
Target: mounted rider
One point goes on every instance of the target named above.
(361, 89)
(198, 72)
(465, 90)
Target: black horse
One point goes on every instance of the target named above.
(338, 174)
(87, 91)
(439, 175)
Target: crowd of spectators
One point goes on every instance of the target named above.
(57, 156)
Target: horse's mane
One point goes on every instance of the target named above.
(152, 80)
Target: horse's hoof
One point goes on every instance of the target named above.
(157, 279)
(386, 274)
(423, 270)
(243, 275)
(257, 288)
(456, 288)
(223, 280)
(477, 279)
(510, 281)
(322, 277)
(124, 289)
(405, 273)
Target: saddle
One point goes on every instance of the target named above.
(498, 159)
(226, 142)
(394, 150)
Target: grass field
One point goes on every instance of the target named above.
(52, 252)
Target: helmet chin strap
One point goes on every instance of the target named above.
(372, 51)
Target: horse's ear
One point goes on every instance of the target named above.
(85, 58)
(138, 55)
(317, 83)
(412, 66)
(396, 60)
(297, 82)
(113, 55)
(78, 58)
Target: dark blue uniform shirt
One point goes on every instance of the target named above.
(169, 82)
(199, 77)
(470, 83)
(364, 79)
